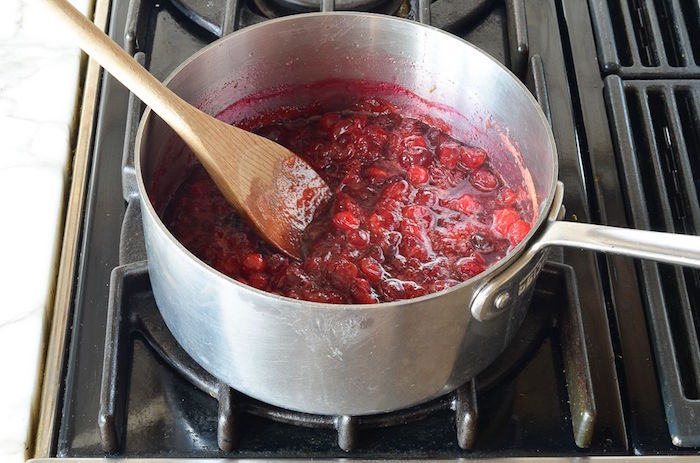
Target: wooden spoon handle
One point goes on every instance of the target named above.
(172, 109)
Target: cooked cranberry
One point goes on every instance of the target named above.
(415, 211)
(276, 262)
(345, 220)
(503, 219)
(414, 141)
(435, 136)
(464, 204)
(484, 180)
(518, 231)
(471, 265)
(376, 175)
(344, 273)
(371, 268)
(416, 156)
(376, 253)
(396, 190)
(345, 202)
(413, 289)
(449, 154)
(258, 280)
(362, 292)
(441, 177)
(341, 153)
(417, 175)
(426, 197)
(358, 238)
(393, 289)
(413, 247)
(472, 157)
(254, 262)
(419, 214)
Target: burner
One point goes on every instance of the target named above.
(132, 310)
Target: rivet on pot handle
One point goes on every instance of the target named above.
(498, 294)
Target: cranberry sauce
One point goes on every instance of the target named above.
(415, 211)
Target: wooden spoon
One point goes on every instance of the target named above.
(276, 190)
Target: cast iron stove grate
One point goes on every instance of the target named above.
(649, 39)
(132, 312)
(657, 129)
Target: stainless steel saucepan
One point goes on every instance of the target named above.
(362, 359)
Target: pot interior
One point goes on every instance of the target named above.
(335, 59)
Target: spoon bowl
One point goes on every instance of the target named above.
(275, 190)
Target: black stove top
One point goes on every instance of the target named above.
(607, 361)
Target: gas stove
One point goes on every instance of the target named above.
(607, 362)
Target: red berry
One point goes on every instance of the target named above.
(345, 220)
(412, 247)
(409, 228)
(417, 175)
(464, 204)
(415, 156)
(372, 269)
(362, 292)
(254, 262)
(375, 222)
(340, 153)
(518, 231)
(414, 141)
(441, 178)
(470, 266)
(377, 134)
(358, 238)
(345, 202)
(345, 126)
(426, 197)
(419, 214)
(258, 280)
(413, 289)
(506, 197)
(396, 190)
(343, 274)
(472, 157)
(377, 175)
(503, 219)
(484, 180)
(449, 154)
(393, 288)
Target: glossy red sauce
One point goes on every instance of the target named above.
(415, 211)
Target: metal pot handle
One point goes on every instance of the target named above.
(499, 293)
(669, 248)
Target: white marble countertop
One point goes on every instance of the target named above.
(39, 73)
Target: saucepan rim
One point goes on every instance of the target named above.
(483, 276)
